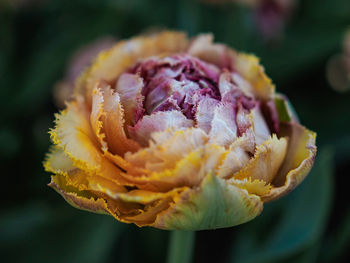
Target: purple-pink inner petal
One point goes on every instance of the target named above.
(180, 82)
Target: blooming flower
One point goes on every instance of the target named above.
(177, 134)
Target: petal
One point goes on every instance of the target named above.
(261, 130)
(217, 54)
(249, 68)
(158, 121)
(230, 83)
(110, 64)
(74, 136)
(167, 148)
(214, 204)
(236, 157)
(108, 123)
(256, 187)
(79, 199)
(146, 197)
(189, 171)
(266, 161)
(129, 87)
(223, 127)
(147, 215)
(59, 163)
(89, 200)
(298, 162)
(205, 113)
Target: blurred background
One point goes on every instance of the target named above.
(44, 44)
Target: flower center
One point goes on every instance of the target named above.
(177, 82)
(204, 93)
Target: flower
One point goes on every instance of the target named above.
(270, 16)
(338, 67)
(177, 134)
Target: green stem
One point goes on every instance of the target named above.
(181, 247)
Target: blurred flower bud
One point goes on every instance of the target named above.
(82, 58)
(338, 68)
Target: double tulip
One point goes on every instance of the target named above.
(174, 133)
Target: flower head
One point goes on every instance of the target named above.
(177, 134)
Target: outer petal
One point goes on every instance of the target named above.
(92, 201)
(74, 136)
(146, 197)
(106, 180)
(58, 162)
(214, 204)
(110, 64)
(298, 162)
(79, 199)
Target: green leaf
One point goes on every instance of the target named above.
(282, 109)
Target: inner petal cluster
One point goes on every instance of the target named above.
(203, 95)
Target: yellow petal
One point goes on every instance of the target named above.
(249, 68)
(74, 136)
(89, 200)
(110, 64)
(266, 161)
(256, 187)
(298, 162)
(147, 215)
(79, 199)
(145, 197)
(59, 163)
